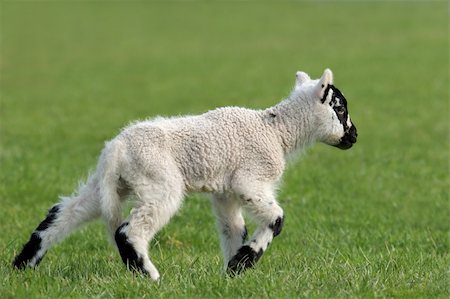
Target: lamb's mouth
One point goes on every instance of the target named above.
(344, 145)
(348, 140)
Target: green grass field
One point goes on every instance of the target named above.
(369, 222)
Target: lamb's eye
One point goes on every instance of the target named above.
(340, 110)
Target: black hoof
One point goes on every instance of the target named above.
(129, 256)
(245, 258)
(28, 252)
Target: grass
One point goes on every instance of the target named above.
(369, 222)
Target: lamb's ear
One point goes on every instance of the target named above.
(300, 78)
(327, 79)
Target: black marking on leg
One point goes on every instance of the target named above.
(244, 234)
(244, 259)
(127, 252)
(31, 248)
(277, 226)
(28, 252)
(51, 216)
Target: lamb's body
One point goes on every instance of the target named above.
(206, 151)
(236, 154)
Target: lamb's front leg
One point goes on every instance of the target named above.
(260, 202)
(230, 224)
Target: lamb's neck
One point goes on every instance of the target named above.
(294, 122)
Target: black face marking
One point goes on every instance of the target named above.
(339, 104)
(277, 226)
(28, 252)
(349, 138)
(244, 259)
(51, 216)
(127, 252)
(325, 93)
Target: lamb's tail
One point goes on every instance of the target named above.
(108, 171)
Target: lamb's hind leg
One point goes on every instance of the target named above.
(156, 204)
(61, 220)
(230, 224)
(259, 201)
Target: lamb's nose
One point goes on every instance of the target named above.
(353, 134)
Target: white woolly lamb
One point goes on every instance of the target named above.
(238, 155)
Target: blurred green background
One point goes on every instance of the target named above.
(369, 222)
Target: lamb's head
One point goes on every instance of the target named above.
(332, 119)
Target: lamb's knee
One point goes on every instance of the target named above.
(277, 226)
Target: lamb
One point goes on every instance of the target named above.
(237, 155)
